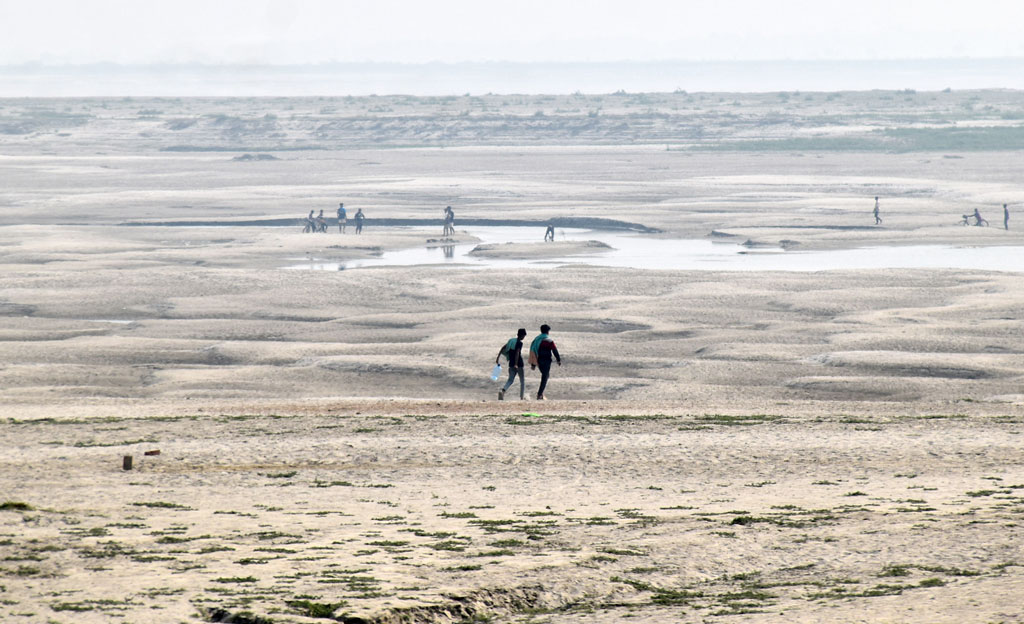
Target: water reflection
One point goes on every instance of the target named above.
(630, 250)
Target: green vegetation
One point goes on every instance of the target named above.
(161, 505)
(311, 609)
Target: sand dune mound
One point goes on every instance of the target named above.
(901, 364)
(856, 389)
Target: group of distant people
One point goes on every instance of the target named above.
(542, 352)
(318, 223)
(965, 219)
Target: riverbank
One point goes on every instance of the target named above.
(380, 510)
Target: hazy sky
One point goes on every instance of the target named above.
(312, 31)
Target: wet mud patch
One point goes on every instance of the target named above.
(911, 365)
(764, 352)
(600, 326)
(9, 308)
(380, 323)
(656, 335)
(858, 389)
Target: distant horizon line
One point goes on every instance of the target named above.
(327, 64)
(437, 78)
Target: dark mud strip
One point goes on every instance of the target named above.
(785, 226)
(477, 606)
(559, 222)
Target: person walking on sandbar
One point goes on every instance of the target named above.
(513, 350)
(342, 217)
(1006, 217)
(359, 221)
(541, 350)
(878, 219)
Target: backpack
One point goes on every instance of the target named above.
(509, 348)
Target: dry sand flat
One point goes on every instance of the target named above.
(816, 446)
(414, 515)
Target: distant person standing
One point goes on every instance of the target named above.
(549, 234)
(541, 350)
(359, 221)
(342, 217)
(878, 219)
(449, 221)
(1006, 217)
(513, 350)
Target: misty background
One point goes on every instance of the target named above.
(361, 47)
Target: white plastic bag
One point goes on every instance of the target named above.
(496, 372)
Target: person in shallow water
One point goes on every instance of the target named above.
(541, 350)
(549, 234)
(1006, 217)
(449, 221)
(359, 221)
(513, 350)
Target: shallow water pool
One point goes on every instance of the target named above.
(631, 250)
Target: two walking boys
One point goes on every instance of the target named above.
(542, 350)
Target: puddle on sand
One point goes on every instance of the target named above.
(631, 250)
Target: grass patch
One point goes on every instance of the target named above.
(742, 420)
(274, 535)
(495, 553)
(623, 552)
(450, 545)
(93, 443)
(895, 570)
(75, 607)
(161, 505)
(311, 609)
(660, 595)
(325, 484)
